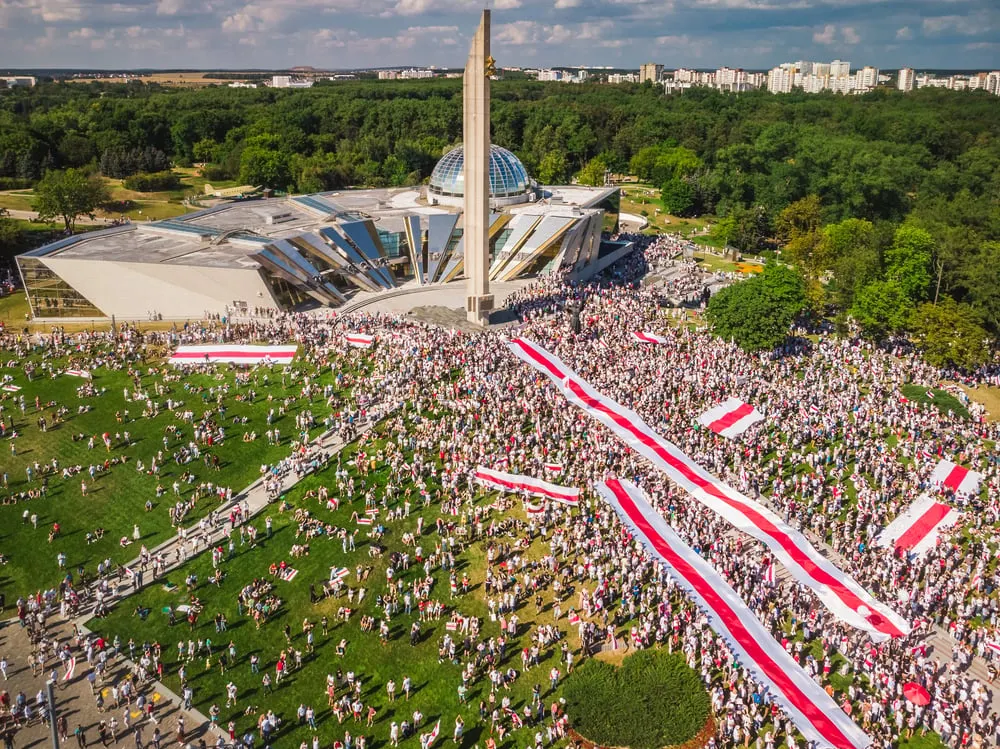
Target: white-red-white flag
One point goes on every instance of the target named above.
(217, 353)
(730, 418)
(916, 529)
(360, 340)
(512, 482)
(647, 337)
(427, 739)
(953, 476)
(554, 467)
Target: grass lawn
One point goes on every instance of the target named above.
(15, 201)
(13, 308)
(139, 206)
(116, 497)
(714, 264)
(435, 682)
(640, 197)
(942, 399)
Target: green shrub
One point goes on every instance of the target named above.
(653, 700)
(154, 182)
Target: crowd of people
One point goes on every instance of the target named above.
(840, 453)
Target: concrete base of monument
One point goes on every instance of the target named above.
(442, 304)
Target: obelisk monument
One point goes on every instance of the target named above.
(476, 142)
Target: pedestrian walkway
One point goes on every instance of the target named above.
(252, 500)
(76, 699)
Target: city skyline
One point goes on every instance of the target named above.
(351, 34)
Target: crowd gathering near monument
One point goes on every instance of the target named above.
(839, 454)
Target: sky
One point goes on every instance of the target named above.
(332, 34)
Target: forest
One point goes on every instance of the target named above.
(829, 178)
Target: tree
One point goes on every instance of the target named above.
(9, 232)
(554, 168)
(851, 250)
(678, 196)
(950, 334)
(757, 313)
(908, 261)
(798, 228)
(265, 167)
(882, 308)
(743, 228)
(981, 277)
(798, 219)
(593, 172)
(69, 195)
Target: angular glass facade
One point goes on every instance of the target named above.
(49, 295)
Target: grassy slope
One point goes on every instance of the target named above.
(436, 683)
(115, 501)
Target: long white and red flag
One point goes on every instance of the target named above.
(216, 353)
(917, 528)
(839, 592)
(811, 709)
(360, 340)
(953, 476)
(730, 418)
(644, 336)
(512, 482)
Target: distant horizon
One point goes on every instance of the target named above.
(443, 69)
(124, 35)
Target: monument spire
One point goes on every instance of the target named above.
(476, 142)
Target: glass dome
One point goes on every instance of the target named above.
(508, 177)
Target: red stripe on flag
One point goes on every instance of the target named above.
(720, 425)
(955, 478)
(819, 575)
(734, 624)
(922, 526)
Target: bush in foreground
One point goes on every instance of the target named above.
(652, 700)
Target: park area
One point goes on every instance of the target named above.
(386, 590)
(111, 463)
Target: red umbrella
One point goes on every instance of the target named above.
(916, 693)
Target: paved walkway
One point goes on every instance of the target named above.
(78, 703)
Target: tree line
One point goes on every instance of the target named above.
(885, 201)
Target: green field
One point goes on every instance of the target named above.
(942, 399)
(116, 497)
(374, 660)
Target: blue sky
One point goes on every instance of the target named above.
(620, 33)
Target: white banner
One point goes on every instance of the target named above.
(512, 482)
(217, 353)
(840, 593)
(811, 709)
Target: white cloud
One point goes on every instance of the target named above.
(904, 33)
(169, 7)
(829, 35)
(563, 4)
(968, 25)
(826, 35)
(56, 11)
